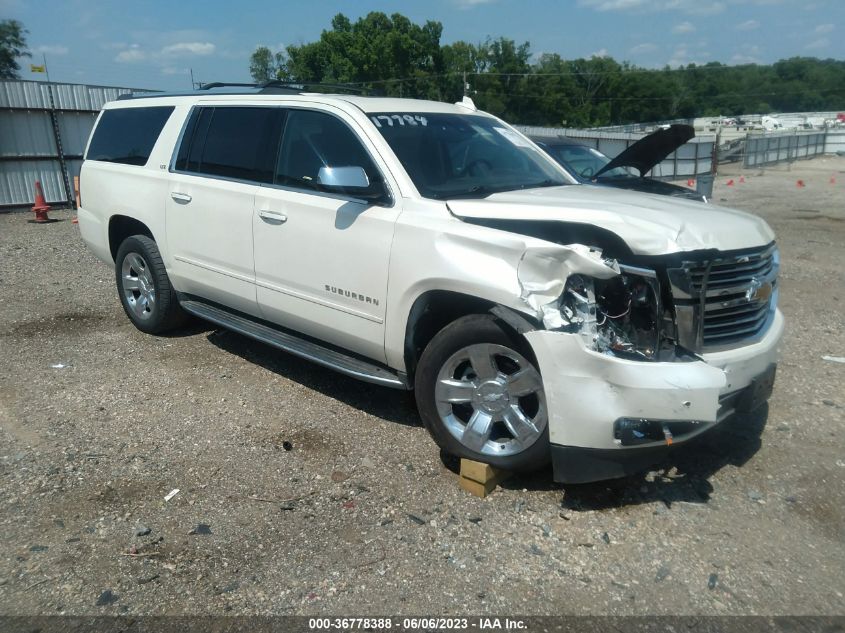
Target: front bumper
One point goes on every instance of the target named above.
(588, 392)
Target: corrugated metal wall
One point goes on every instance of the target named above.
(835, 141)
(687, 161)
(28, 150)
(777, 147)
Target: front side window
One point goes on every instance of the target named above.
(232, 142)
(464, 156)
(313, 141)
(127, 135)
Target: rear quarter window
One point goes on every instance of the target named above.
(127, 135)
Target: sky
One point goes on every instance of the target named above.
(155, 44)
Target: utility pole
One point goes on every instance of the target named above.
(465, 83)
(193, 85)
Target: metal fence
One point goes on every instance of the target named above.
(688, 161)
(776, 147)
(835, 141)
(44, 127)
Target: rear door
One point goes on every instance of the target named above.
(225, 153)
(322, 253)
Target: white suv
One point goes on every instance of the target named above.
(426, 246)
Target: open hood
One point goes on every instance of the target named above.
(649, 224)
(651, 150)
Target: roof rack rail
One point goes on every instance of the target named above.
(309, 85)
(290, 87)
(222, 84)
(269, 87)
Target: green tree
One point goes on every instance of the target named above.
(265, 65)
(388, 52)
(12, 46)
(406, 59)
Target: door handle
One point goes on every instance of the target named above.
(180, 197)
(273, 216)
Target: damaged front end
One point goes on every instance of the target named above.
(615, 309)
(619, 386)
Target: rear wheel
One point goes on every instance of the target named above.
(481, 396)
(144, 288)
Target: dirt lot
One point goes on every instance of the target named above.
(304, 492)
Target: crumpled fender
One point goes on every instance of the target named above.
(543, 271)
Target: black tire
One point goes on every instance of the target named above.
(441, 354)
(152, 307)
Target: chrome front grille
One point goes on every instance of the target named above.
(725, 302)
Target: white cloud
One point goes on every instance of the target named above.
(469, 4)
(170, 70)
(55, 49)
(692, 7)
(699, 8)
(181, 49)
(645, 47)
(748, 25)
(825, 28)
(748, 54)
(683, 27)
(165, 56)
(602, 52)
(131, 55)
(822, 42)
(683, 56)
(614, 5)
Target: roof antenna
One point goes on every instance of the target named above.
(467, 103)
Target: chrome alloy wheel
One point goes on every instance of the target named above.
(138, 287)
(491, 399)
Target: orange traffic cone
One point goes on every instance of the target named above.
(741, 179)
(691, 182)
(833, 180)
(730, 183)
(40, 207)
(799, 183)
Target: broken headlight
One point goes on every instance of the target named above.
(618, 316)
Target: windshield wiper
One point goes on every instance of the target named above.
(538, 185)
(479, 191)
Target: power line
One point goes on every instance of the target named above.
(585, 73)
(527, 95)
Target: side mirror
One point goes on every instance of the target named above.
(343, 177)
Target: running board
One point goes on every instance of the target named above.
(314, 352)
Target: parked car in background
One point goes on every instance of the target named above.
(628, 170)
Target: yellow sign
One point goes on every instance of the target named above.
(37, 69)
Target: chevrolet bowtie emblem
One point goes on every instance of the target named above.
(758, 290)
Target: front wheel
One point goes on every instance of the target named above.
(481, 396)
(143, 285)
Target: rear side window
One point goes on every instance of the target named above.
(232, 142)
(127, 135)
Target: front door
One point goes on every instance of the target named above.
(322, 253)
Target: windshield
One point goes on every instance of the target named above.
(464, 156)
(586, 162)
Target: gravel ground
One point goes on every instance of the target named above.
(304, 492)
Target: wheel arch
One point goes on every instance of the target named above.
(435, 309)
(123, 226)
